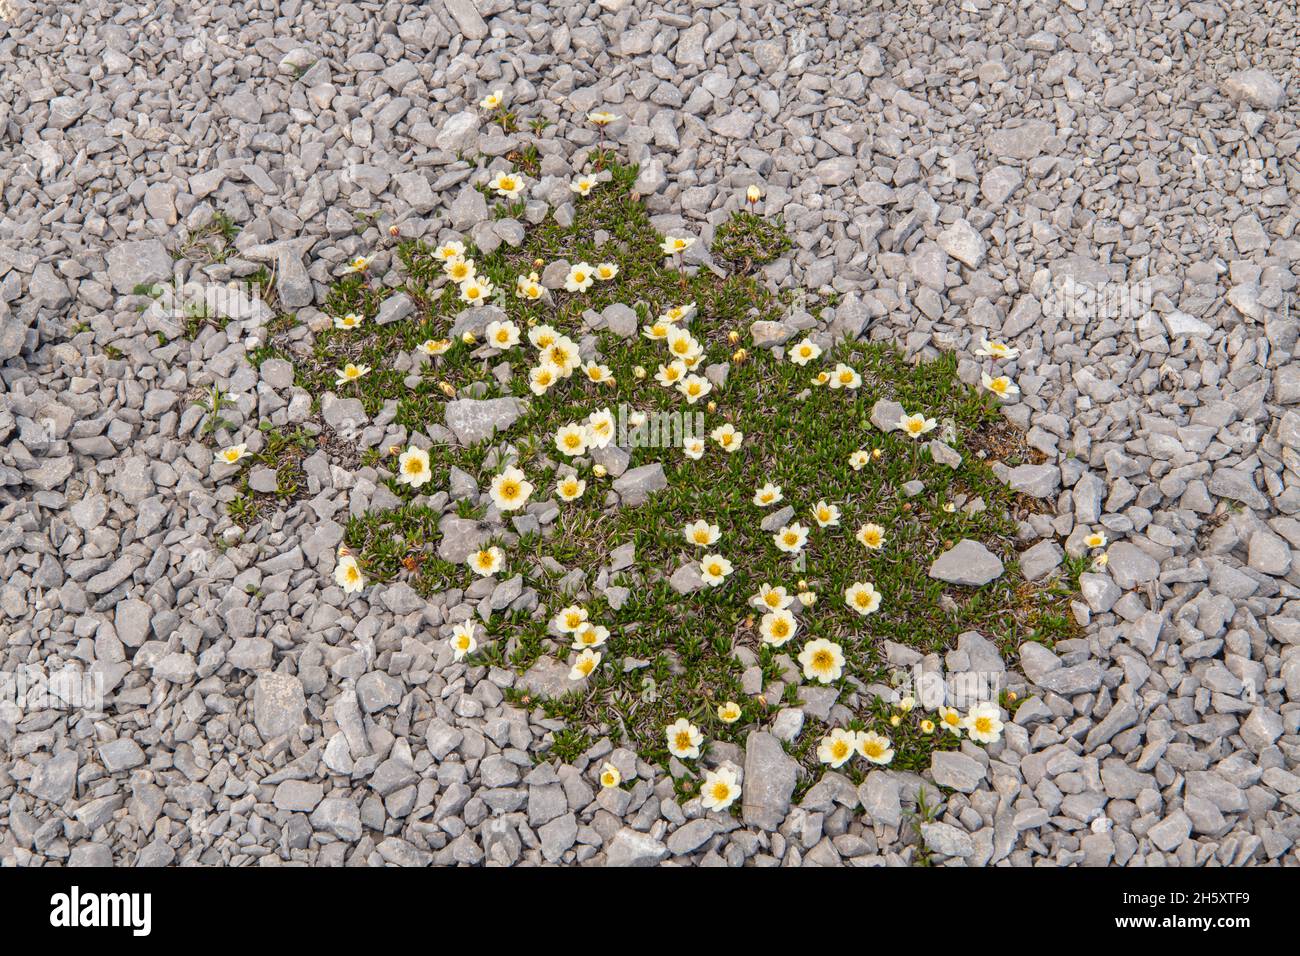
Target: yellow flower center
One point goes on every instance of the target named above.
(683, 740)
(780, 628)
(822, 660)
(720, 791)
(509, 490)
(839, 749)
(873, 748)
(983, 725)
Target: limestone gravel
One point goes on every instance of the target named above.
(1112, 189)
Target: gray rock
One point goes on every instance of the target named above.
(475, 420)
(769, 779)
(968, 563)
(947, 840)
(138, 263)
(339, 816)
(633, 848)
(1255, 87)
(121, 754)
(1041, 560)
(956, 771)
(55, 780)
(636, 485)
(278, 705)
(1130, 566)
(886, 415)
(1037, 481)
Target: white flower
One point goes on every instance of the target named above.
(729, 712)
(571, 619)
(459, 269)
(675, 244)
(772, 598)
(845, 377)
(584, 664)
(714, 569)
(822, 660)
(693, 448)
(348, 575)
(671, 374)
(589, 635)
(358, 264)
(996, 350)
(875, 747)
(984, 723)
(606, 271)
(727, 436)
(571, 439)
(413, 467)
(1095, 540)
(777, 627)
(563, 354)
(791, 538)
(678, 313)
(510, 490)
(486, 561)
(769, 494)
(694, 387)
(871, 536)
(719, 790)
(453, 249)
(700, 533)
(805, 352)
(859, 459)
(529, 287)
(570, 488)
(349, 321)
(493, 100)
(836, 749)
(863, 597)
(914, 426)
(542, 378)
(1001, 386)
(600, 428)
(826, 515)
(684, 739)
(476, 291)
(580, 277)
(350, 373)
(508, 184)
(543, 337)
(949, 718)
(682, 344)
(583, 185)
(463, 641)
(434, 347)
(502, 335)
(232, 455)
(609, 775)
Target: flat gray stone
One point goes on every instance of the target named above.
(770, 775)
(475, 420)
(968, 563)
(278, 705)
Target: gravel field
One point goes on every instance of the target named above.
(1112, 188)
